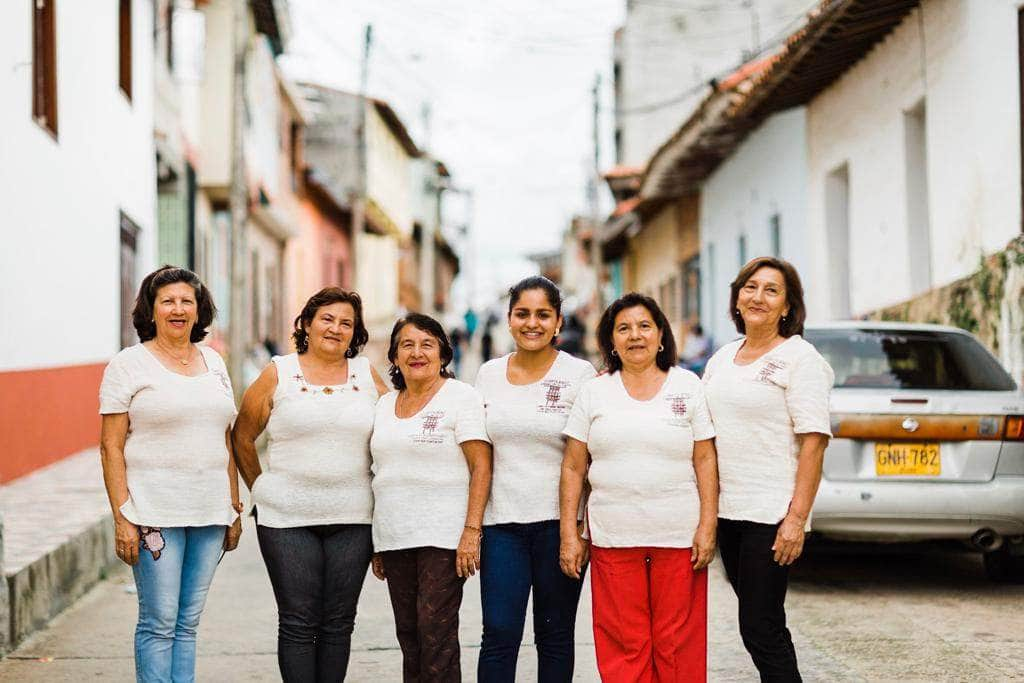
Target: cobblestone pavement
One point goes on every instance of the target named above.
(860, 614)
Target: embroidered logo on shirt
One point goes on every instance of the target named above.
(677, 405)
(768, 372)
(429, 424)
(553, 402)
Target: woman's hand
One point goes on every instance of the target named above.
(467, 555)
(789, 541)
(377, 566)
(232, 535)
(126, 540)
(704, 542)
(573, 554)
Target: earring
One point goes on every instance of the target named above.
(614, 352)
(661, 347)
(783, 318)
(737, 311)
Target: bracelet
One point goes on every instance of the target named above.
(474, 528)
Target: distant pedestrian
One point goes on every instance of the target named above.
(527, 396)
(768, 394)
(487, 338)
(314, 504)
(456, 339)
(696, 350)
(645, 430)
(431, 479)
(167, 408)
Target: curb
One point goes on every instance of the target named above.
(48, 585)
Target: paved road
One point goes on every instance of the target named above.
(865, 614)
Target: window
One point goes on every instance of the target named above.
(742, 250)
(691, 288)
(169, 56)
(919, 238)
(124, 47)
(44, 65)
(837, 226)
(775, 235)
(129, 247)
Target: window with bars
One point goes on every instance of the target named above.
(44, 64)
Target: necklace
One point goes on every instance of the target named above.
(183, 361)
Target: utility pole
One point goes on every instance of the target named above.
(435, 184)
(239, 200)
(593, 185)
(359, 200)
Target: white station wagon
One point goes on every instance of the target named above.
(928, 441)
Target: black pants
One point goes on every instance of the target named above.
(760, 584)
(317, 573)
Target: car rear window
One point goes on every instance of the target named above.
(901, 359)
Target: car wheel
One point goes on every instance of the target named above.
(1003, 567)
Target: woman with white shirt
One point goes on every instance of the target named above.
(431, 478)
(527, 398)
(167, 408)
(314, 503)
(768, 393)
(652, 510)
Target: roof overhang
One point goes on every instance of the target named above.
(835, 36)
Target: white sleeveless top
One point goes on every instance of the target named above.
(318, 456)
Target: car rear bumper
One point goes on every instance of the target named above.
(917, 511)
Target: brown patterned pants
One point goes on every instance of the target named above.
(426, 595)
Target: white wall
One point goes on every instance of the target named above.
(59, 265)
(966, 73)
(764, 177)
(388, 172)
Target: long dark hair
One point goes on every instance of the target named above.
(666, 357)
(142, 313)
(431, 327)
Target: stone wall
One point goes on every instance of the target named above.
(988, 303)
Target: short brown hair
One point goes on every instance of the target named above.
(793, 322)
(326, 297)
(142, 314)
(666, 357)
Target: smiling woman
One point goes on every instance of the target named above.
(167, 408)
(313, 502)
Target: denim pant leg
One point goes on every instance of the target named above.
(295, 562)
(504, 591)
(203, 548)
(347, 552)
(158, 588)
(555, 600)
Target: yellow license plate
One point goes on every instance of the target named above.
(899, 458)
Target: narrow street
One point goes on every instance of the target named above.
(868, 613)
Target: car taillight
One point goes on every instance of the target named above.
(1014, 430)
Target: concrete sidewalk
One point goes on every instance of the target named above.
(93, 640)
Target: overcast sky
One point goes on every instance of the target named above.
(508, 86)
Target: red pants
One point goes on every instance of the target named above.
(650, 615)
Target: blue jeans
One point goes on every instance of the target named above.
(172, 577)
(515, 558)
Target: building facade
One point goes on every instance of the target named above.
(79, 192)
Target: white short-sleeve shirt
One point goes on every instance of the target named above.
(525, 423)
(420, 475)
(318, 452)
(175, 454)
(758, 409)
(643, 485)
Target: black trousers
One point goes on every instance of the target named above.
(317, 573)
(760, 585)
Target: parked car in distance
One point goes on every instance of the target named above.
(928, 441)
